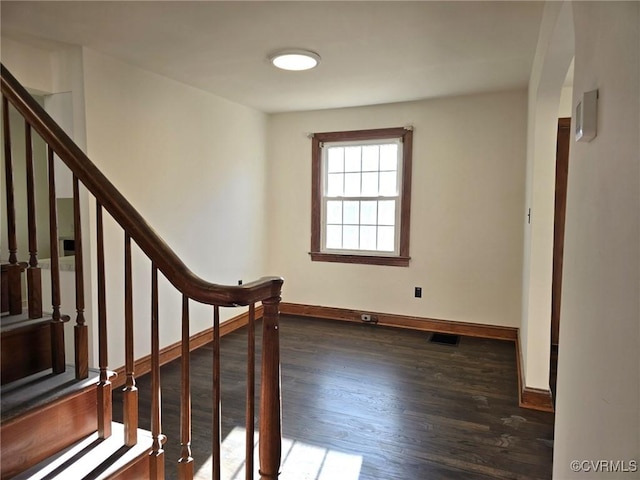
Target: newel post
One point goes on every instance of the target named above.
(270, 402)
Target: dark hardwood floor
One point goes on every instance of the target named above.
(362, 402)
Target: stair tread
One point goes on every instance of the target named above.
(12, 323)
(91, 457)
(40, 389)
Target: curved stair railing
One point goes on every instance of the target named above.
(191, 287)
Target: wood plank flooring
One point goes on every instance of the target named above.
(362, 402)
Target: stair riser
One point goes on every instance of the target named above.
(25, 352)
(37, 435)
(136, 470)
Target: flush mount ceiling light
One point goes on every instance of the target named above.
(296, 60)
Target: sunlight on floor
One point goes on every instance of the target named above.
(300, 461)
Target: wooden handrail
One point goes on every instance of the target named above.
(127, 216)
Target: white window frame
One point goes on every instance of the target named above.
(397, 197)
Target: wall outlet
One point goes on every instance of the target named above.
(418, 292)
(365, 317)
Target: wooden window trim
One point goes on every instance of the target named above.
(403, 258)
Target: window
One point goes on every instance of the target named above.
(361, 196)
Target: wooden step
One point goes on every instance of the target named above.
(38, 390)
(25, 346)
(98, 459)
(43, 414)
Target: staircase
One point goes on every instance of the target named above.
(57, 411)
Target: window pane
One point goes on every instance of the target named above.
(334, 236)
(352, 159)
(350, 237)
(387, 212)
(367, 238)
(352, 184)
(389, 157)
(351, 213)
(368, 212)
(388, 184)
(386, 237)
(335, 159)
(334, 211)
(370, 184)
(370, 154)
(335, 184)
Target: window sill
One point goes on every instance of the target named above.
(360, 259)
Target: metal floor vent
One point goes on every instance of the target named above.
(445, 339)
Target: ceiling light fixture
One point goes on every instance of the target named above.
(295, 60)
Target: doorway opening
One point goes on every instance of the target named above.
(562, 171)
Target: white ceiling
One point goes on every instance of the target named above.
(372, 51)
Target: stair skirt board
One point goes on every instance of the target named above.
(97, 459)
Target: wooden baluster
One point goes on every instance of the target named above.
(104, 385)
(157, 453)
(14, 270)
(185, 463)
(81, 340)
(34, 276)
(57, 320)
(251, 389)
(217, 398)
(270, 403)
(130, 391)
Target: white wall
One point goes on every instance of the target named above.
(598, 403)
(566, 99)
(194, 166)
(30, 65)
(468, 196)
(554, 53)
(60, 107)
